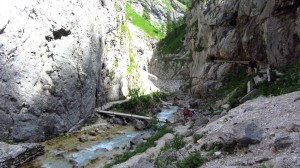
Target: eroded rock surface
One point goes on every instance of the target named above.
(15, 155)
(56, 61)
(262, 31)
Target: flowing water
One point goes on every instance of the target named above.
(67, 152)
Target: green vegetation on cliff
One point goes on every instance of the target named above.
(142, 23)
(235, 85)
(140, 104)
(173, 41)
(288, 83)
(193, 160)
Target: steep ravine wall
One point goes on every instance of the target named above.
(56, 59)
(263, 31)
(150, 73)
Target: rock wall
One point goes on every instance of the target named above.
(16, 155)
(266, 32)
(160, 11)
(150, 74)
(56, 61)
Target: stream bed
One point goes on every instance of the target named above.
(67, 151)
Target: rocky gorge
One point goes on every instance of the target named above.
(59, 60)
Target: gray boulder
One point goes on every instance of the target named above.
(16, 155)
(139, 139)
(143, 163)
(139, 124)
(201, 121)
(247, 133)
(117, 120)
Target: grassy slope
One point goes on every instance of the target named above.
(143, 24)
(173, 41)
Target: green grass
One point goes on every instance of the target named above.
(168, 4)
(177, 143)
(192, 161)
(188, 3)
(173, 41)
(235, 83)
(132, 64)
(290, 82)
(142, 23)
(140, 148)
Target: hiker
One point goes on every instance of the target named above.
(187, 113)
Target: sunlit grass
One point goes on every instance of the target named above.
(173, 41)
(143, 24)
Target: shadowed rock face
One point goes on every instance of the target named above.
(53, 64)
(16, 155)
(266, 32)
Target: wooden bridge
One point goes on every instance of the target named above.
(113, 113)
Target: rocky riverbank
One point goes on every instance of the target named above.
(263, 132)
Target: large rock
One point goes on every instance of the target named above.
(201, 120)
(57, 63)
(16, 155)
(139, 139)
(247, 133)
(139, 124)
(142, 163)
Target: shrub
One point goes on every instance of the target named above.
(140, 104)
(192, 161)
(173, 41)
(177, 143)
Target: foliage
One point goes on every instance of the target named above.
(188, 3)
(116, 63)
(136, 92)
(161, 162)
(173, 41)
(192, 161)
(9, 141)
(140, 104)
(290, 82)
(177, 143)
(235, 85)
(168, 4)
(154, 124)
(142, 23)
(118, 7)
(140, 148)
(146, 14)
(132, 64)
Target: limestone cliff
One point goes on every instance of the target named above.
(55, 63)
(60, 59)
(266, 32)
(143, 41)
